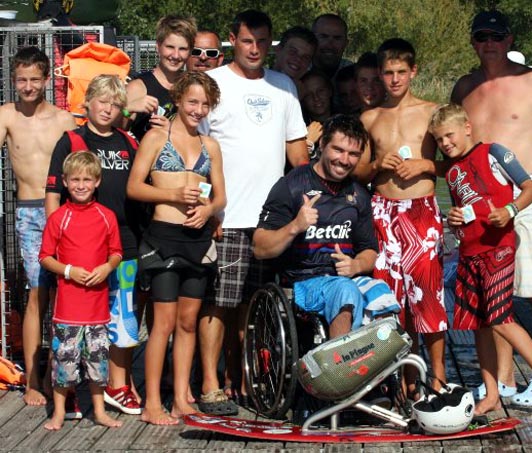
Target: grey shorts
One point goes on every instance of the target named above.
(239, 273)
(74, 347)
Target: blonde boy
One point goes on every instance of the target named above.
(481, 178)
(81, 244)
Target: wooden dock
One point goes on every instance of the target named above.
(21, 427)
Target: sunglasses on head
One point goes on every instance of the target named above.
(483, 36)
(209, 53)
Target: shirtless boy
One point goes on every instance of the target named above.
(29, 154)
(406, 215)
(498, 100)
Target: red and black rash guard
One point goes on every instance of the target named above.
(486, 173)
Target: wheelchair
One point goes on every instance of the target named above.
(276, 334)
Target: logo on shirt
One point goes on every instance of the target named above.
(258, 108)
(456, 179)
(51, 181)
(508, 157)
(313, 192)
(330, 232)
(114, 160)
(500, 255)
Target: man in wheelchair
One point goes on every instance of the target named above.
(318, 221)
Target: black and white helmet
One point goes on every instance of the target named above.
(446, 412)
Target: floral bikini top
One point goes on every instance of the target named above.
(169, 159)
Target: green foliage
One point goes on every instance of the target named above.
(140, 16)
(438, 29)
(519, 13)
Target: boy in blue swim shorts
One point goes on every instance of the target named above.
(29, 155)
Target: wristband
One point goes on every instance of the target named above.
(515, 208)
(68, 268)
(126, 113)
(510, 210)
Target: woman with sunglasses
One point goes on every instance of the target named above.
(205, 54)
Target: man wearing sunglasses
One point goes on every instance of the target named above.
(205, 54)
(498, 100)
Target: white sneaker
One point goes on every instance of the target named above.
(505, 391)
(524, 398)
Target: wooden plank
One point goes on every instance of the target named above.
(341, 448)
(44, 440)
(21, 425)
(11, 403)
(462, 445)
(496, 443)
(83, 436)
(380, 448)
(157, 438)
(524, 431)
(122, 438)
(302, 447)
(424, 447)
(268, 445)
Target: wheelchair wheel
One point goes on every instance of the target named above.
(270, 352)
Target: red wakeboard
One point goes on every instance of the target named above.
(285, 432)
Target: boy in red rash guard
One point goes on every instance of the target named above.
(81, 244)
(481, 178)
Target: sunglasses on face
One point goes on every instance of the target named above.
(482, 36)
(209, 53)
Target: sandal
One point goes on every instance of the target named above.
(217, 403)
(523, 398)
(505, 391)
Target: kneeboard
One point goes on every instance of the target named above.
(285, 432)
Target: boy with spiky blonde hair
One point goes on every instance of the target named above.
(481, 178)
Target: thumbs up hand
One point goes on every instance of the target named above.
(343, 262)
(308, 214)
(498, 217)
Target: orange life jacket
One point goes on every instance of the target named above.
(84, 63)
(11, 376)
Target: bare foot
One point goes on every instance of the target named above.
(33, 397)
(190, 397)
(159, 417)
(106, 420)
(178, 410)
(487, 405)
(55, 423)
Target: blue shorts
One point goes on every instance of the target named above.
(328, 295)
(29, 224)
(74, 346)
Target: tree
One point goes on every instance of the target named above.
(438, 29)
